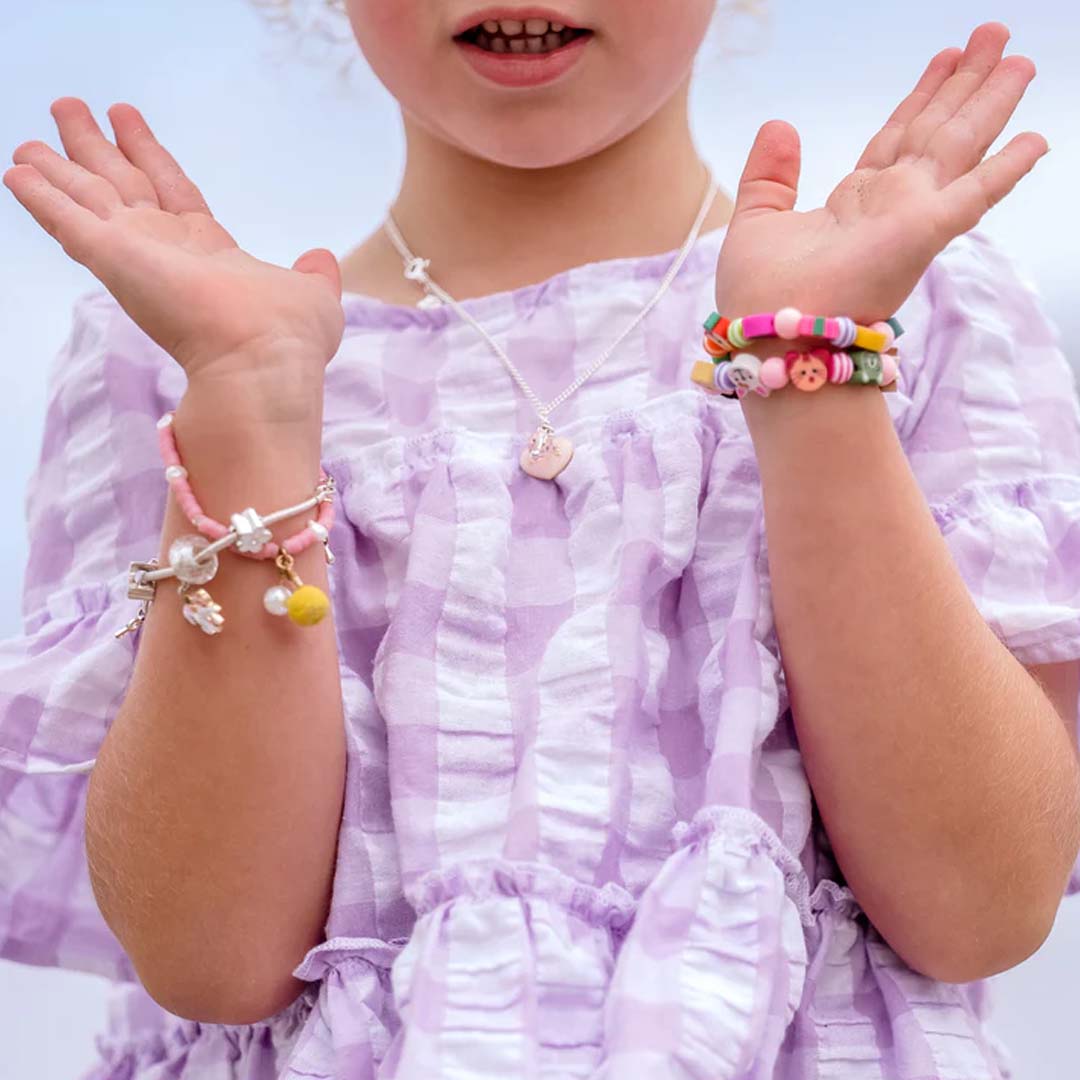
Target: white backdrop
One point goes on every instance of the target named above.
(289, 159)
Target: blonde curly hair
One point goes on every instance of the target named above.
(324, 25)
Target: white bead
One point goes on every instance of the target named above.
(175, 472)
(165, 421)
(275, 600)
(319, 531)
(251, 533)
(182, 558)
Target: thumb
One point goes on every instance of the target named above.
(321, 261)
(770, 179)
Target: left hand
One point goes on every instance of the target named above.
(920, 182)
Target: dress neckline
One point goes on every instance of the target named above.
(368, 311)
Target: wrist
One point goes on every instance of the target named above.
(272, 391)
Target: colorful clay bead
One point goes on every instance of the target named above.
(735, 334)
(712, 320)
(870, 340)
(841, 367)
(724, 382)
(744, 370)
(806, 370)
(897, 328)
(704, 374)
(716, 348)
(786, 323)
(845, 332)
(867, 366)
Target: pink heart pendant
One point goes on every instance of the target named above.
(554, 456)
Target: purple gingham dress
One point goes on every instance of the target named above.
(578, 840)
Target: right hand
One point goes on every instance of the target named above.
(131, 216)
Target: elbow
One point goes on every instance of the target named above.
(979, 947)
(213, 997)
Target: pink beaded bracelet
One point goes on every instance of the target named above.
(253, 537)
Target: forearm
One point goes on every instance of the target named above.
(946, 780)
(214, 806)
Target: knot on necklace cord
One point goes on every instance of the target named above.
(416, 269)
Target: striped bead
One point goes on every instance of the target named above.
(735, 334)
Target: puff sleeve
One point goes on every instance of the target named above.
(94, 503)
(993, 437)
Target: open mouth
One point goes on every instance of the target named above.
(517, 37)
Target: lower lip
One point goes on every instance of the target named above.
(524, 69)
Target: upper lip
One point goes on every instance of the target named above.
(519, 13)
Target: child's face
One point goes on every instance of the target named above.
(637, 54)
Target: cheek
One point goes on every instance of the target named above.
(392, 35)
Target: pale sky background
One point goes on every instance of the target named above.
(288, 160)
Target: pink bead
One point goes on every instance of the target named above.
(786, 322)
(773, 373)
(887, 330)
(888, 368)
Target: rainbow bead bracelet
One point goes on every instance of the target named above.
(725, 335)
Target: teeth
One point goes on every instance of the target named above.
(517, 36)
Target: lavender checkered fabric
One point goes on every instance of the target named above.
(578, 840)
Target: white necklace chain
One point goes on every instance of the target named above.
(415, 269)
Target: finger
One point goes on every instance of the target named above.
(981, 56)
(881, 150)
(85, 144)
(175, 192)
(962, 141)
(86, 188)
(770, 178)
(78, 230)
(964, 202)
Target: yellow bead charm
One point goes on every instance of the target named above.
(307, 605)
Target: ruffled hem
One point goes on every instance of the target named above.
(144, 1040)
(1016, 544)
(729, 965)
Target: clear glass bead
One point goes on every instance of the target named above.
(182, 558)
(275, 600)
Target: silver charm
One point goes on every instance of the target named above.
(201, 610)
(251, 533)
(138, 590)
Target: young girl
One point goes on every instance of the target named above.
(652, 729)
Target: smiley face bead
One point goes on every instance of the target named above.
(806, 370)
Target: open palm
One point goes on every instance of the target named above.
(131, 216)
(920, 182)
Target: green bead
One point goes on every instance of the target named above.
(712, 320)
(819, 326)
(895, 324)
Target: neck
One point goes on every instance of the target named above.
(487, 227)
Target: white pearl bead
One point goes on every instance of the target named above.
(165, 421)
(175, 472)
(275, 600)
(318, 530)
